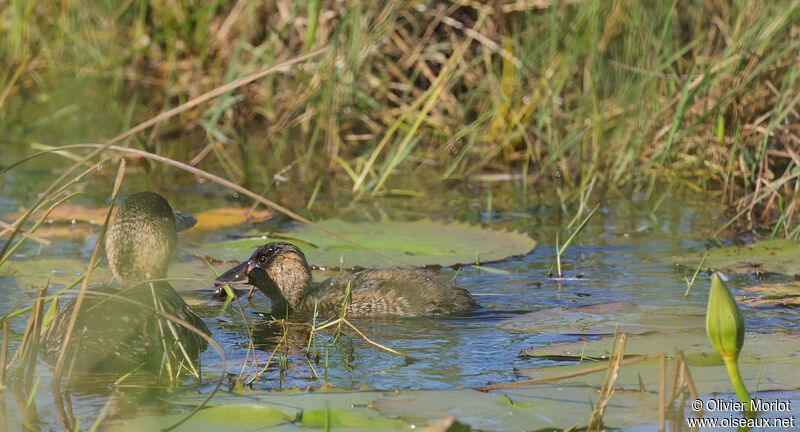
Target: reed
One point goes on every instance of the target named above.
(689, 96)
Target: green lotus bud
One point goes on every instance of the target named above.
(724, 322)
(725, 329)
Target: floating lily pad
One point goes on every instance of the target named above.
(771, 256)
(188, 274)
(779, 353)
(541, 407)
(36, 272)
(228, 216)
(348, 418)
(223, 418)
(756, 347)
(602, 319)
(786, 294)
(229, 412)
(418, 243)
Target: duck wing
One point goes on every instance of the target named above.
(118, 330)
(391, 292)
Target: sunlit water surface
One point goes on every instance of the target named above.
(624, 254)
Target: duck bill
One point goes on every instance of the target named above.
(184, 221)
(240, 273)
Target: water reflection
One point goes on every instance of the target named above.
(624, 255)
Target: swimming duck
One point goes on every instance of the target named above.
(119, 329)
(280, 271)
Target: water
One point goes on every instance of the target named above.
(623, 255)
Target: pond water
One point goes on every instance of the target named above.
(623, 261)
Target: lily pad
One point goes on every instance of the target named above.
(601, 319)
(186, 275)
(417, 243)
(757, 347)
(348, 418)
(779, 353)
(786, 294)
(36, 272)
(223, 418)
(231, 412)
(545, 406)
(223, 217)
(541, 407)
(771, 256)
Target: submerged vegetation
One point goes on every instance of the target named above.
(688, 94)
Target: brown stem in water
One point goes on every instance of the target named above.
(85, 285)
(557, 377)
(234, 187)
(144, 125)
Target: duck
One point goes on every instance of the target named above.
(119, 329)
(280, 270)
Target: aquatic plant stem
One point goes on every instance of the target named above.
(84, 286)
(561, 376)
(234, 187)
(690, 283)
(144, 125)
(211, 342)
(35, 227)
(47, 299)
(732, 365)
(4, 354)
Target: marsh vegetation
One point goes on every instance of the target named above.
(639, 145)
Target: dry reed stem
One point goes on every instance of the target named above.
(58, 401)
(437, 88)
(688, 376)
(676, 364)
(32, 341)
(565, 375)
(19, 354)
(609, 383)
(8, 227)
(269, 360)
(153, 121)
(234, 187)
(84, 286)
(211, 342)
(36, 226)
(4, 354)
(662, 384)
(385, 348)
(341, 320)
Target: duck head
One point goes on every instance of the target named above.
(141, 239)
(279, 270)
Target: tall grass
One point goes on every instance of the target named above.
(691, 94)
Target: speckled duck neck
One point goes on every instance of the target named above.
(141, 240)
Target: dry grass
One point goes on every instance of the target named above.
(692, 95)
